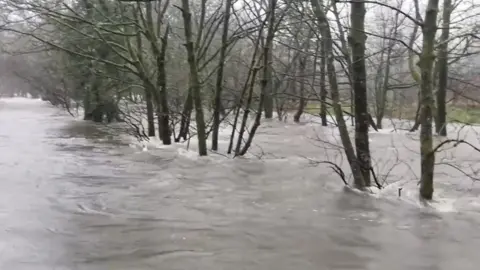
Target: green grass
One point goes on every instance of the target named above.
(454, 114)
(464, 115)
(314, 108)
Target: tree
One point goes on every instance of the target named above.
(219, 84)
(440, 123)
(362, 121)
(324, 27)
(194, 79)
(268, 87)
(323, 87)
(427, 59)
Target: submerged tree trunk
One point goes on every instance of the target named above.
(382, 89)
(268, 91)
(160, 93)
(426, 66)
(97, 112)
(243, 125)
(246, 113)
(440, 120)
(266, 82)
(324, 27)
(240, 102)
(251, 77)
(323, 87)
(150, 113)
(87, 105)
(219, 84)
(194, 79)
(92, 101)
(164, 118)
(362, 121)
(302, 102)
(384, 70)
(346, 55)
(268, 102)
(185, 117)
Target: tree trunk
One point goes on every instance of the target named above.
(323, 87)
(382, 90)
(87, 105)
(268, 91)
(346, 56)
(160, 89)
(219, 84)
(251, 76)
(266, 82)
(426, 66)
(248, 106)
(158, 109)
(186, 117)
(342, 127)
(268, 101)
(164, 118)
(441, 121)
(97, 112)
(92, 99)
(150, 96)
(194, 79)
(150, 113)
(302, 102)
(357, 40)
(413, 72)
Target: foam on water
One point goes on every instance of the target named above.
(394, 154)
(20, 100)
(187, 154)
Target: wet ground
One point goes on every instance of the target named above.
(74, 196)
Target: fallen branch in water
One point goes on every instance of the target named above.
(379, 186)
(336, 169)
(333, 166)
(340, 172)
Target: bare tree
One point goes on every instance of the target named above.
(427, 59)
(324, 27)
(219, 84)
(194, 79)
(442, 65)
(362, 121)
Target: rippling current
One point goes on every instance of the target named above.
(74, 196)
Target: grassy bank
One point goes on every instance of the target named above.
(454, 114)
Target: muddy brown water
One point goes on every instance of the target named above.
(75, 197)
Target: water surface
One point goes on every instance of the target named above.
(76, 196)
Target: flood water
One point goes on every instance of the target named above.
(76, 197)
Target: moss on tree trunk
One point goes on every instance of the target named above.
(426, 92)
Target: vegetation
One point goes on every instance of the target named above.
(156, 64)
